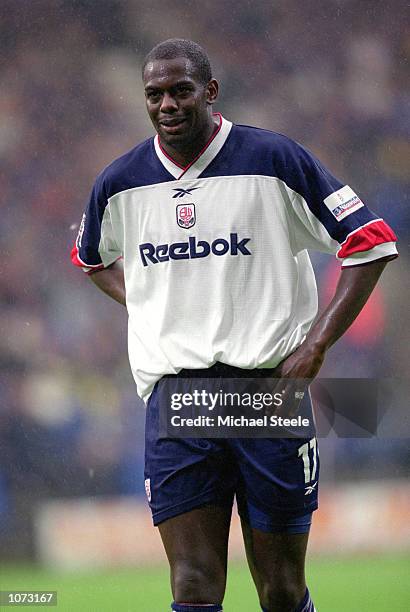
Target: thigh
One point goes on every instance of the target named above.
(196, 544)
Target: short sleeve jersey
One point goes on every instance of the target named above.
(215, 254)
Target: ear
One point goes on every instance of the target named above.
(212, 90)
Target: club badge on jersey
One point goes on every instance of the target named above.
(186, 216)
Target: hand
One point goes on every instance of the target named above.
(305, 362)
(295, 373)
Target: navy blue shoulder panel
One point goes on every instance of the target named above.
(137, 168)
(250, 150)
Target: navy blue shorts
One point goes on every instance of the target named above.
(275, 480)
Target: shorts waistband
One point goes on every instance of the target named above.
(222, 370)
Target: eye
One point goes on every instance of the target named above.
(184, 90)
(153, 96)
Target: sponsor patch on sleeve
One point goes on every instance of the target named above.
(343, 202)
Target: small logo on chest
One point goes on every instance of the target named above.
(180, 193)
(186, 216)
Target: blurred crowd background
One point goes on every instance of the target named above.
(331, 74)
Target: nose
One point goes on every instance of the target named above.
(168, 104)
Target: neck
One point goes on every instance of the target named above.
(183, 154)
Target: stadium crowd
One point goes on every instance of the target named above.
(331, 75)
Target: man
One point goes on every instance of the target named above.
(212, 222)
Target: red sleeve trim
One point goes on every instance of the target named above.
(366, 237)
(77, 261)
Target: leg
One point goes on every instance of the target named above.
(190, 486)
(277, 564)
(279, 481)
(196, 544)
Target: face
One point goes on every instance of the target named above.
(178, 104)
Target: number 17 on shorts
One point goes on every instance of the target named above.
(309, 454)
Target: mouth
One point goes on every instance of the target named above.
(172, 126)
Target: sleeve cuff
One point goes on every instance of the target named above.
(107, 259)
(90, 271)
(387, 249)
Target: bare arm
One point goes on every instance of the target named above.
(111, 281)
(353, 290)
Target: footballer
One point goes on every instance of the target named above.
(202, 233)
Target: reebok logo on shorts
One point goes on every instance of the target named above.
(310, 489)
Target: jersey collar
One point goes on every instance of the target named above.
(203, 159)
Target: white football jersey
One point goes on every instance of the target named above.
(215, 254)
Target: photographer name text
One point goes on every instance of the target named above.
(240, 421)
